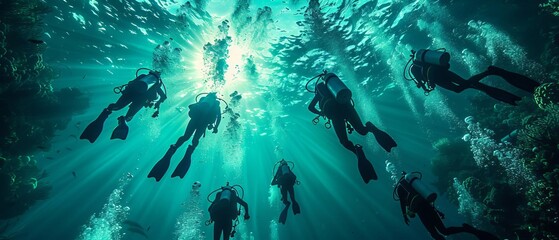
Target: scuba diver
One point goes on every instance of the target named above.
(224, 212)
(286, 179)
(431, 68)
(334, 100)
(144, 91)
(205, 113)
(416, 198)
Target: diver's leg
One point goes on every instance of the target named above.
(355, 121)
(291, 193)
(218, 228)
(429, 223)
(478, 77)
(122, 102)
(283, 191)
(452, 81)
(339, 127)
(227, 226)
(187, 133)
(436, 221)
(496, 93)
(134, 108)
(520, 81)
(200, 130)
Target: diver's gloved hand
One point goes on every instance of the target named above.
(215, 130)
(406, 220)
(246, 216)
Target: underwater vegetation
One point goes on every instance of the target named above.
(31, 110)
(551, 6)
(504, 173)
(509, 184)
(547, 95)
(22, 184)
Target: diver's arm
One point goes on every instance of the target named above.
(312, 105)
(245, 205)
(218, 119)
(403, 205)
(162, 97)
(275, 180)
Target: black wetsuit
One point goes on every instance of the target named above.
(201, 115)
(137, 94)
(285, 179)
(429, 216)
(443, 77)
(223, 212)
(338, 113)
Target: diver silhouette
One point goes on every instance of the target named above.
(285, 179)
(144, 91)
(335, 103)
(416, 199)
(205, 113)
(223, 211)
(431, 68)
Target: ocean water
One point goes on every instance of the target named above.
(266, 51)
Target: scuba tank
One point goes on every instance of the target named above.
(225, 193)
(341, 93)
(205, 100)
(438, 58)
(414, 179)
(285, 169)
(150, 79)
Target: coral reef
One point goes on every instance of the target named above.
(22, 184)
(547, 95)
(541, 137)
(551, 6)
(510, 185)
(31, 109)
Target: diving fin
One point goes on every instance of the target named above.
(480, 234)
(162, 165)
(184, 165)
(283, 214)
(296, 208)
(366, 168)
(525, 83)
(497, 93)
(94, 129)
(121, 131)
(382, 138)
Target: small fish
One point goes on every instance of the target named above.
(138, 231)
(133, 224)
(35, 41)
(171, 39)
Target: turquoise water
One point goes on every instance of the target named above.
(97, 45)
